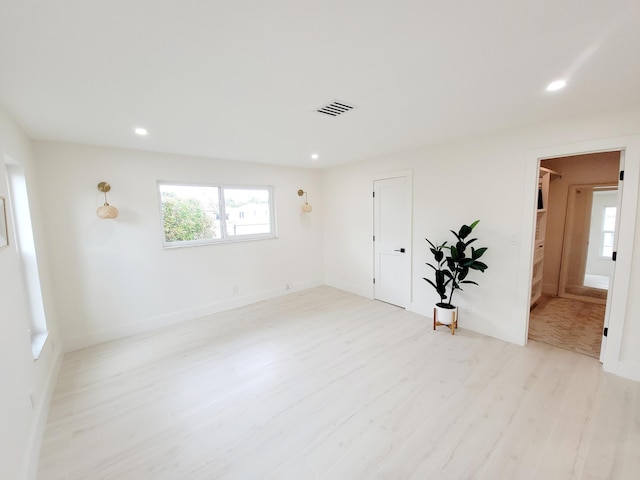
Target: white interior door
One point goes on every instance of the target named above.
(392, 240)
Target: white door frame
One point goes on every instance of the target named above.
(408, 173)
(629, 146)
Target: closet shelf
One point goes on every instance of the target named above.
(545, 175)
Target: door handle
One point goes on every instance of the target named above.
(400, 250)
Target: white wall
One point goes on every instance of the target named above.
(113, 278)
(453, 185)
(484, 178)
(22, 379)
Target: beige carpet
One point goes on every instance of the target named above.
(598, 293)
(568, 323)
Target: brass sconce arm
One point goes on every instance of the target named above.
(306, 208)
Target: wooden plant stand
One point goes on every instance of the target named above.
(454, 323)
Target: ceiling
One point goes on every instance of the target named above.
(241, 80)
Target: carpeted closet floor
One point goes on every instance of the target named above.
(566, 323)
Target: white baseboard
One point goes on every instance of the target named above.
(134, 328)
(630, 370)
(42, 411)
(348, 287)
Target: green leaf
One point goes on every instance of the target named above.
(431, 282)
(463, 274)
(440, 288)
(478, 253)
(465, 230)
(479, 266)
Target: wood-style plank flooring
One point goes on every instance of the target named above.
(323, 384)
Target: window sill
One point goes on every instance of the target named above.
(221, 241)
(37, 343)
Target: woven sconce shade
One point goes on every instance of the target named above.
(106, 211)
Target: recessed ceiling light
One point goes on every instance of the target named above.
(556, 85)
(141, 131)
(314, 156)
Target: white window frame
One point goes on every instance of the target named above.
(604, 232)
(225, 236)
(20, 212)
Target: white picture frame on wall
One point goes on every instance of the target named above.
(4, 232)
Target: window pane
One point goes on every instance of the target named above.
(202, 214)
(248, 211)
(607, 244)
(190, 213)
(609, 224)
(608, 239)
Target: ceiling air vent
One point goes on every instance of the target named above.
(335, 108)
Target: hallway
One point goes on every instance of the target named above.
(566, 323)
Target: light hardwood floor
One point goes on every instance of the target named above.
(323, 384)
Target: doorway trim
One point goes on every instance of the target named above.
(629, 147)
(408, 174)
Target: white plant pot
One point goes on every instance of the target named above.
(446, 316)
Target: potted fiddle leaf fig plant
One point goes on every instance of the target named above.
(452, 265)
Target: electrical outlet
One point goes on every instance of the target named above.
(467, 308)
(287, 287)
(235, 289)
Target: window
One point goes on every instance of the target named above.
(608, 230)
(204, 214)
(21, 215)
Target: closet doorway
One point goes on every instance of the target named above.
(581, 214)
(586, 267)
